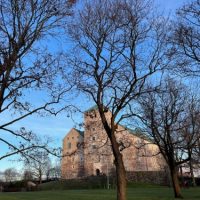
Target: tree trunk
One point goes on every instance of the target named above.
(175, 182)
(192, 174)
(119, 164)
(182, 178)
(121, 178)
(40, 178)
(120, 170)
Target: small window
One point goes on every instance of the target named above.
(93, 138)
(93, 146)
(69, 145)
(93, 129)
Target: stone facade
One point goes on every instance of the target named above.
(72, 164)
(95, 156)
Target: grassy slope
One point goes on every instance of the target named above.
(137, 193)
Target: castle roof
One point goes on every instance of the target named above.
(81, 133)
(91, 108)
(137, 132)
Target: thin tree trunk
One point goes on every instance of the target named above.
(40, 178)
(182, 178)
(192, 174)
(175, 183)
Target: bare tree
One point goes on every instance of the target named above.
(196, 155)
(26, 66)
(186, 39)
(191, 133)
(38, 165)
(55, 170)
(119, 45)
(27, 175)
(164, 116)
(10, 174)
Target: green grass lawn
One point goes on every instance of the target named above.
(134, 193)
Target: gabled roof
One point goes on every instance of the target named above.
(81, 133)
(137, 133)
(91, 108)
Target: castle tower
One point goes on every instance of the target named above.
(97, 149)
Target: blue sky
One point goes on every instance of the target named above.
(170, 5)
(57, 127)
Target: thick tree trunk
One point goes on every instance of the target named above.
(120, 170)
(121, 178)
(175, 183)
(119, 164)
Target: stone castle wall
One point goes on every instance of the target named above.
(96, 156)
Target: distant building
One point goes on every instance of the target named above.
(73, 166)
(89, 153)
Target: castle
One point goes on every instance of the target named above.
(89, 153)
